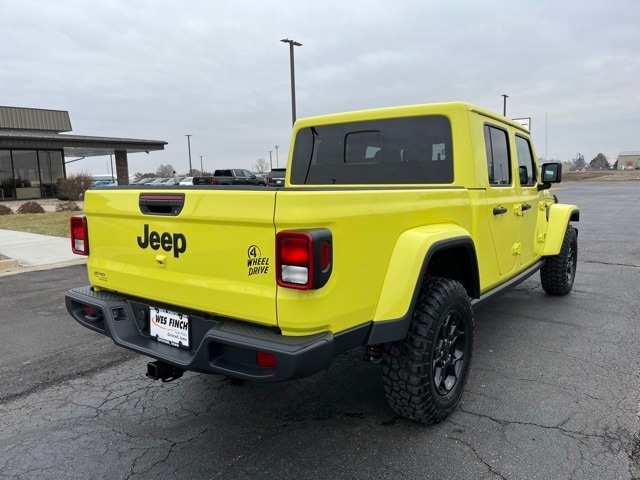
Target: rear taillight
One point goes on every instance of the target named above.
(304, 258)
(79, 235)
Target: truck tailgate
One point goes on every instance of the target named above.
(215, 254)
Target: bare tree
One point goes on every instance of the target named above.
(577, 163)
(74, 186)
(165, 170)
(261, 166)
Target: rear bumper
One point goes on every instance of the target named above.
(217, 345)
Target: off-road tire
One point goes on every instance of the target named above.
(559, 271)
(415, 382)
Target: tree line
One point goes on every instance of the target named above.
(599, 162)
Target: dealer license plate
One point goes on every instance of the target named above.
(169, 327)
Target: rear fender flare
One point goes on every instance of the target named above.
(410, 258)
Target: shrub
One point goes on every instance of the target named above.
(30, 207)
(68, 207)
(4, 210)
(74, 186)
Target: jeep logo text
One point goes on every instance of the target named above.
(167, 241)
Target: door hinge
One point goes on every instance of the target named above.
(516, 249)
(542, 237)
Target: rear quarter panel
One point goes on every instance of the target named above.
(365, 225)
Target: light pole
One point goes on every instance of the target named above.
(292, 43)
(504, 104)
(201, 167)
(270, 161)
(277, 147)
(189, 146)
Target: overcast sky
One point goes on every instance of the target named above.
(217, 70)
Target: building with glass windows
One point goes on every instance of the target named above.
(34, 145)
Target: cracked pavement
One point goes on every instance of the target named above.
(552, 392)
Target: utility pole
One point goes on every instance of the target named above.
(270, 161)
(292, 43)
(189, 145)
(277, 147)
(504, 104)
(201, 167)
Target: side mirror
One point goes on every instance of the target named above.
(551, 173)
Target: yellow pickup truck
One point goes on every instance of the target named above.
(391, 225)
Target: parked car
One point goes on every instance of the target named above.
(103, 183)
(144, 181)
(236, 176)
(158, 181)
(186, 181)
(279, 283)
(275, 178)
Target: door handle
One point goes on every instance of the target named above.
(526, 206)
(499, 210)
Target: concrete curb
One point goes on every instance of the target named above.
(12, 267)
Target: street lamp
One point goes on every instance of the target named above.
(504, 104)
(201, 167)
(292, 43)
(277, 147)
(270, 160)
(189, 145)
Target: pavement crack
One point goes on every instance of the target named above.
(543, 382)
(634, 458)
(558, 427)
(477, 455)
(600, 262)
(390, 469)
(160, 461)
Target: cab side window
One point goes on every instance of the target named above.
(526, 167)
(497, 147)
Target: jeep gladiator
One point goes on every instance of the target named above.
(393, 224)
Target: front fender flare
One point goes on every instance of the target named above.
(559, 217)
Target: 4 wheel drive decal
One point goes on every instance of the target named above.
(256, 263)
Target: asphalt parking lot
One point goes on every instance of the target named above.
(552, 392)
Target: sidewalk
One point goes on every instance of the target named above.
(31, 250)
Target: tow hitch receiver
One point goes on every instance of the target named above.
(163, 371)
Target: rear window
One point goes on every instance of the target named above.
(415, 150)
(277, 173)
